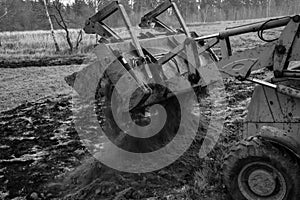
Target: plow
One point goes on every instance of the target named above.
(161, 64)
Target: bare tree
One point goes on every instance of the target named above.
(63, 23)
(51, 26)
(1, 17)
(205, 12)
(269, 3)
(5, 13)
(79, 39)
(96, 10)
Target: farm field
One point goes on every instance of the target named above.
(42, 155)
(37, 44)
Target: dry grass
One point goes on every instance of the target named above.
(40, 43)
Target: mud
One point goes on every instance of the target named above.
(43, 157)
(13, 62)
(37, 144)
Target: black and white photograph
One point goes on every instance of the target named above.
(149, 99)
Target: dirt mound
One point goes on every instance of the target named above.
(190, 177)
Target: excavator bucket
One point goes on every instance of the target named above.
(171, 59)
(144, 67)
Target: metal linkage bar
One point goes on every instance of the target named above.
(134, 39)
(95, 25)
(105, 12)
(248, 29)
(181, 20)
(152, 17)
(157, 11)
(285, 46)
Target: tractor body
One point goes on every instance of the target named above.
(275, 117)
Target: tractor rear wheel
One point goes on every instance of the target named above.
(255, 169)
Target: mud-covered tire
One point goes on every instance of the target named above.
(255, 169)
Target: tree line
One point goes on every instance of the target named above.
(21, 15)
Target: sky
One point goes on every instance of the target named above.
(67, 1)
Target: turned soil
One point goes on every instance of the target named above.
(42, 156)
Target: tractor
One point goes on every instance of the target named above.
(163, 63)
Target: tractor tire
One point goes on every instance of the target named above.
(256, 169)
(134, 144)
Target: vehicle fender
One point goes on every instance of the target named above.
(280, 137)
